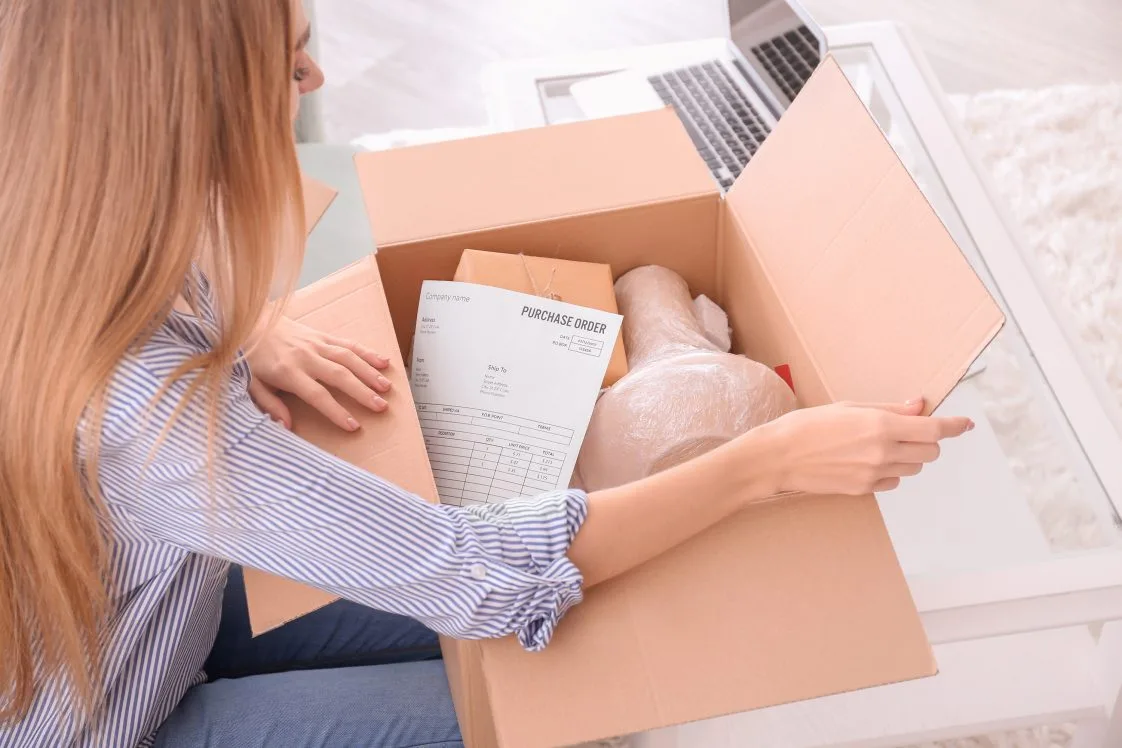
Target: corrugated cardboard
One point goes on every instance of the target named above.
(350, 304)
(317, 199)
(828, 259)
(588, 284)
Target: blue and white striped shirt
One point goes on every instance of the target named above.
(286, 507)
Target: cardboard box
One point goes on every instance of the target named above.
(588, 284)
(827, 258)
(317, 199)
(351, 304)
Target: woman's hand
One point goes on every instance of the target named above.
(849, 448)
(297, 359)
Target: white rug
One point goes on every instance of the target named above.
(1056, 159)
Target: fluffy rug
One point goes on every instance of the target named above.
(1056, 158)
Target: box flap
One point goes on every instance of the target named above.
(350, 303)
(519, 177)
(875, 286)
(317, 199)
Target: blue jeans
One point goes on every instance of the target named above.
(345, 675)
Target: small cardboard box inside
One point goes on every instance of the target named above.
(826, 257)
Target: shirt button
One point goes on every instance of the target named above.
(478, 571)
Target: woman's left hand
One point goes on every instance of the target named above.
(297, 359)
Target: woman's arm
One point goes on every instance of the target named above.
(279, 504)
(282, 505)
(836, 449)
(635, 522)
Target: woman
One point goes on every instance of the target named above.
(141, 142)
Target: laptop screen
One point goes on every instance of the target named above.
(754, 22)
(780, 40)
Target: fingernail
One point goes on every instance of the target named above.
(913, 401)
(286, 424)
(383, 381)
(352, 424)
(970, 426)
(379, 403)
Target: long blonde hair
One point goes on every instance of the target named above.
(133, 134)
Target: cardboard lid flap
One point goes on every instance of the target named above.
(523, 176)
(883, 299)
(317, 199)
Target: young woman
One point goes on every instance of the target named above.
(149, 203)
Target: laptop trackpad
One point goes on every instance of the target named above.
(626, 92)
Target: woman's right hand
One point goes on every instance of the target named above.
(853, 448)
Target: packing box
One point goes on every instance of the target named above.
(351, 304)
(588, 284)
(826, 257)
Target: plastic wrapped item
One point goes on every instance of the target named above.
(658, 315)
(714, 322)
(683, 395)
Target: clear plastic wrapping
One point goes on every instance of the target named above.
(683, 395)
(658, 315)
(714, 322)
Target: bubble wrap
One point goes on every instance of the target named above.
(683, 395)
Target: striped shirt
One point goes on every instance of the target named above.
(284, 506)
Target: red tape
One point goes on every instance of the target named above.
(784, 371)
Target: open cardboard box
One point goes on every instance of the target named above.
(826, 257)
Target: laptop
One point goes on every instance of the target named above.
(729, 93)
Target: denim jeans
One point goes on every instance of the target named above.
(344, 675)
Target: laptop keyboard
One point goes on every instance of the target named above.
(789, 59)
(725, 128)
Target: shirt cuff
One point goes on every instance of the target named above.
(544, 583)
(565, 591)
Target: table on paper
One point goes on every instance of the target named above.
(484, 457)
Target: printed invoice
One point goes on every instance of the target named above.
(505, 384)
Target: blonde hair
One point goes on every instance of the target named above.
(133, 134)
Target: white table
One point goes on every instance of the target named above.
(1008, 614)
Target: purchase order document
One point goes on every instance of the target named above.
(505, 384)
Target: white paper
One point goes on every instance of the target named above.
(505, 384)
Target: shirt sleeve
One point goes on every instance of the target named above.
(264, 498)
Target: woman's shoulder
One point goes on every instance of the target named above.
(144, 371)
(165, 349)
